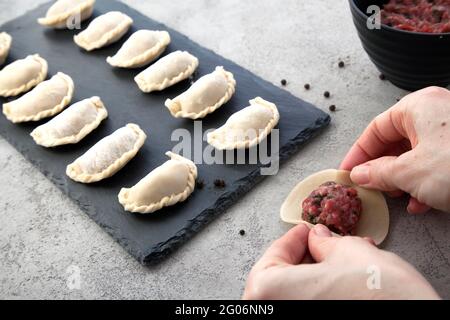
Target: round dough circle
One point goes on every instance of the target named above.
(374, 221)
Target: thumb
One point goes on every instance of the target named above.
(377, 174)
(321, 242)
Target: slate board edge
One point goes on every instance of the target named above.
(162, 250)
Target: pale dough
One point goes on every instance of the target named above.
(47, 99)
(167, 71)
(104, 30)
(72, 125)
(63, 10)
(141, 48)
(374, 220)
(168, 184)
(205, 96)
(247, 127)
(22, 75)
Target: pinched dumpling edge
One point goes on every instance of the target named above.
(4, 49)
(102, 114)
(33, 82)
(44, 113)
(171, 104)
(168, 200)
(115, 166)
(146, 57)
(147, 87)
(120, 29)
(216, 143)
(85, 9)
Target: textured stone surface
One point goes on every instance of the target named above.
(42, 232)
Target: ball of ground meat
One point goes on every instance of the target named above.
(335, 205)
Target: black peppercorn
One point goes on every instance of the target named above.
(242, 232)
(307, 86)
(341, 64)
(219, 183)
(382, 77)
(332, 108)
(199, 184)
(326, 94)
(283, 82)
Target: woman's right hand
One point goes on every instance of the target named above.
(407, 149)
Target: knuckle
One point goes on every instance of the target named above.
(435, 92)
(257, 287)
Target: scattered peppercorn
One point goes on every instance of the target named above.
(382, 77)
(326, 94)
(283, 82)
(199, 184)
(341, 64)
(219, 183)
(307, 86)
(332, 108)
(242, 232)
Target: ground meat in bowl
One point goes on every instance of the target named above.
(335, 205)
(431, 16)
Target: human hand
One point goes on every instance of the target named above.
(407, 149)
(287, 270)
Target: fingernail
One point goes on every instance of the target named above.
(322, 231)
(360, 175)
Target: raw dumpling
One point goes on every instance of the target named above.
(103, 30)
(46, 100)
(140, 49)
(72, 125)
(247, 127)
(374, 219)
(107, 156)
(64, 12)
(5, 45)
(22, 75)
(165, 186)
(205, 96)
(167, 71)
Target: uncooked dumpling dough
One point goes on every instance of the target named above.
(247, 127)
(47, 99)
(205, 96)
(63, 13)
(107, 156)
(374, 219)
(165, 186)
(104, 30)
(5, 45)
(167, 71)
(72, 125)
(140, 49)
(22, 75)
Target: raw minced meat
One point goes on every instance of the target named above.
(335, 205)
(431, 16)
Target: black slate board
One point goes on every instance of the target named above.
(148, 238)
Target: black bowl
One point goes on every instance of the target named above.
(410, 60)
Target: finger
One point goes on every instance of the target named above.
(321, 242)
(370, 240)
(289, 249)
(377, 174)
(379, 136)
(416, 207)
